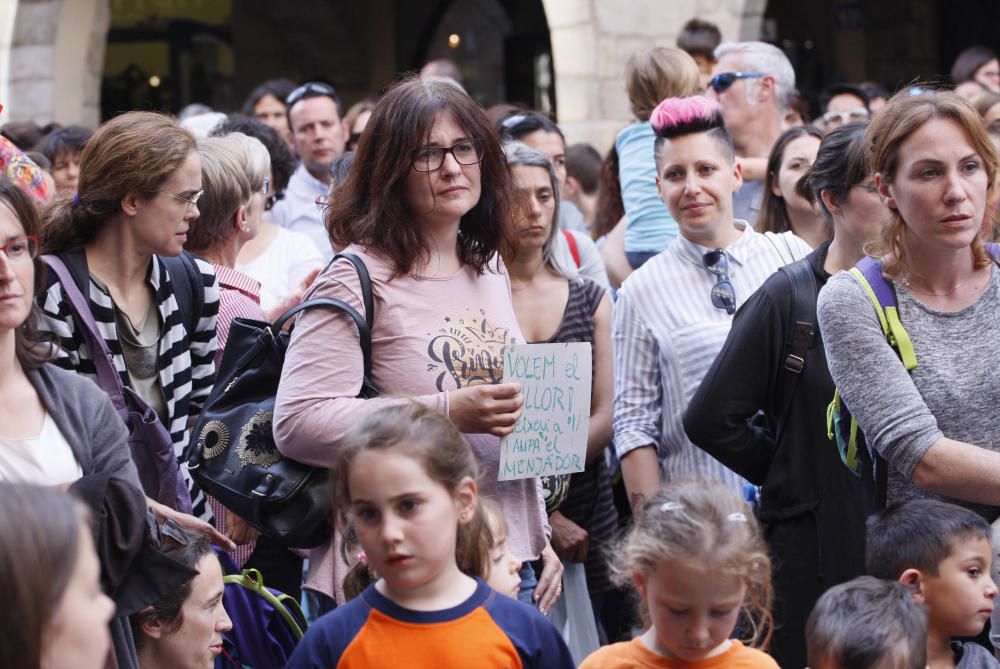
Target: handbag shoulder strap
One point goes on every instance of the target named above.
(107, 376)
(365, 280)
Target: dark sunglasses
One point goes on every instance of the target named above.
(723, 293)
(309, 90)
(724, 80)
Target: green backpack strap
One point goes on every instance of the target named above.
(883, 298)
(868, 274)
(286, 605)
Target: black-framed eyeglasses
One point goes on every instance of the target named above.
(723, 293)
(310, 89)
(193, 200)
(723, 80)
(430, 158)
(24, 247)
(867, 186)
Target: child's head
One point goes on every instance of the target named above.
(697, 558)
(944, 551)
(405, 478)
(700, 39)
(652, 75)
(502, 573)
(867, 623)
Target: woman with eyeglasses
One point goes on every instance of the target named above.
(119, 235)
(57, 428)
(782, 208)
(673, 314)
(811, 506)
(429, 207)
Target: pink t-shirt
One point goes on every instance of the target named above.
(431, 336)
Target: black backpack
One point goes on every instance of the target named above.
(232, 454)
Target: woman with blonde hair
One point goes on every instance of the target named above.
(934, 167)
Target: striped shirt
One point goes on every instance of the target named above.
(185, 361)
(665, 335)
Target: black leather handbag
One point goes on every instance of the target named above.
(232, 454)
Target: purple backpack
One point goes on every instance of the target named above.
(267, 624)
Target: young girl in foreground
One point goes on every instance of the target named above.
(406, 478)
(697, 559)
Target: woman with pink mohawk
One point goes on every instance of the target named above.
(673, 313)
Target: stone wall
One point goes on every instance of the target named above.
(55, 61)
(592, 39)
(56, 55)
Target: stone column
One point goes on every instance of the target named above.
(592, 39)
(56, 59)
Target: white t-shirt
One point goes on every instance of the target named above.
(283, 266)
(45, 459)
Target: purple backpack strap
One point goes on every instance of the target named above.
(107, 376)
(994, 250)
(872, 272)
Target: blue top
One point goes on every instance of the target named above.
(486, 630)
(650, 227)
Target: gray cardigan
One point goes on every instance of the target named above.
(99, 441)
(87, 420)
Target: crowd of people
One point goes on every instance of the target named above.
(789, 310)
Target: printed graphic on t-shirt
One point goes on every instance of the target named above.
(467, 351)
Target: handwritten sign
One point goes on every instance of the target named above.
(551, 436)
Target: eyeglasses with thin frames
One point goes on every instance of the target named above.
(430, 158)
(21, 248)
(723, 293)
(724, 80)
(322, 203)
(193, 200)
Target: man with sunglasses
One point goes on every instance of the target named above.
(753, 82)
(318, 136)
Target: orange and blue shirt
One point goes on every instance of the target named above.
(487, 631)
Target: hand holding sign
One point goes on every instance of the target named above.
(486, 409)
(550, 437)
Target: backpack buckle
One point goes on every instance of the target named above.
(795, 363)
